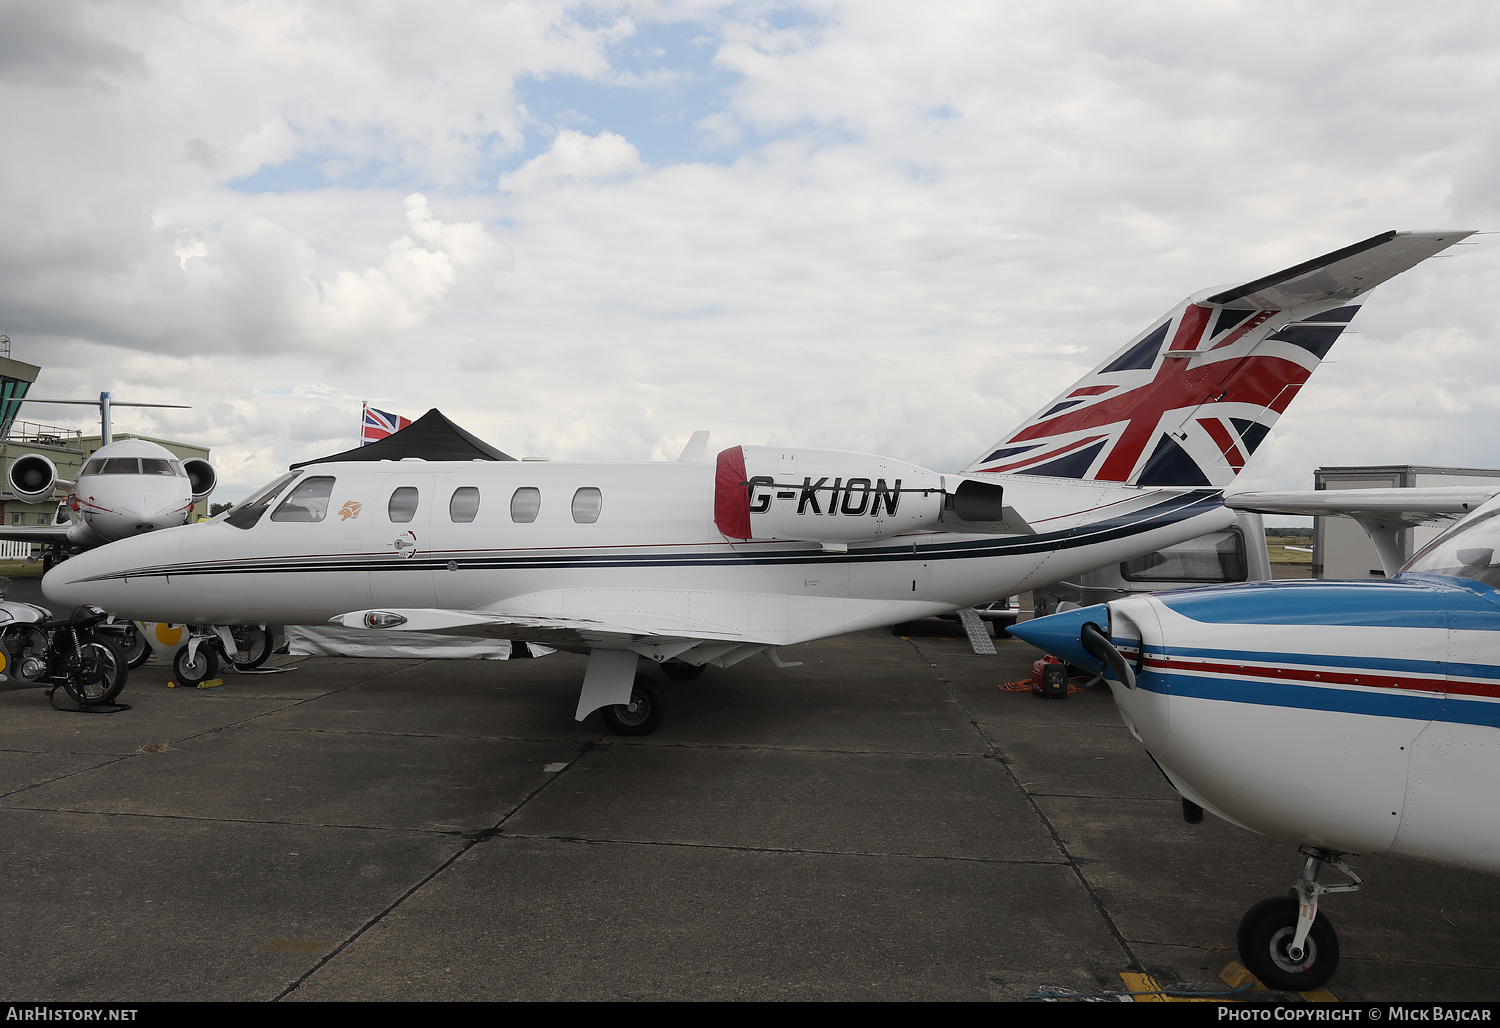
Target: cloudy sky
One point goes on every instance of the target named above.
(586, 230)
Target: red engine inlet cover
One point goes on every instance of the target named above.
(732, 495)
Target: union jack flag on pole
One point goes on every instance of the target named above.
(377, 424)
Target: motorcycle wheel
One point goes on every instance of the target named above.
(100, 675)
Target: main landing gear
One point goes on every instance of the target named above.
(1284, 941)
(642, 715)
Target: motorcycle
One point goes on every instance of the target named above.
(38, 649)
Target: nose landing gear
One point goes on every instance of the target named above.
(1284, 941)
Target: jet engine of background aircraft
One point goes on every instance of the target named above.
(837, 497)
(201, 477)
(33, 477)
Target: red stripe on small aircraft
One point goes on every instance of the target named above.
(1092, 390)
(1041, 456)
(1224, 441)
(1330, 677)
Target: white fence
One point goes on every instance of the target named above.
(12, 550)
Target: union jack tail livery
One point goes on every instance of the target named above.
(1187, 401)
(378, 424)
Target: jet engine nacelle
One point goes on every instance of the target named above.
(201, 477)
(827, 496)
(32, 477)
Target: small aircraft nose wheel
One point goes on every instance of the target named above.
(200, 669)
(642, 715)
(1266, 936)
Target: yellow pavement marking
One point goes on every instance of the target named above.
(1146, 990)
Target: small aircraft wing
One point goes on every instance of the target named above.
(1403, 507)
(1382, 513)
(1342, 274)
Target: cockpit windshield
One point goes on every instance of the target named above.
(247, 512)
(1467, 550)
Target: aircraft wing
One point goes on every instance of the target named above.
(35, 533)
(1397, 507)
(651, 636)
(1342, 274)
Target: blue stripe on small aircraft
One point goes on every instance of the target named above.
(1354, 665)
(1431, 603)
(1416, 706)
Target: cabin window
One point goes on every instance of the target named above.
(525, 503)
(121, 466)
(246, 513)
(1216, 557)
(587, 502)
(403, 505)
(155, 466)
(308, 502)
(464, 505)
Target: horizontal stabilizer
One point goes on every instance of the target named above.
(1342, 274)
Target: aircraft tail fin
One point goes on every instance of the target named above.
(1186, 402)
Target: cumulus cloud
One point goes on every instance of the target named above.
(858, 225)
(575, 157)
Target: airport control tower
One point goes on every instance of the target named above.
(15, 378)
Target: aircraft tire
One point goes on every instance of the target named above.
(253, 641)
(101, 675)
(1266, 931)
(681, 671)
(195, 672)
(133, 646)
(647, 716)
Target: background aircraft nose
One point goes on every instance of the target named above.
(1059, 634)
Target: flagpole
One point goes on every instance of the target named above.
(364, 407)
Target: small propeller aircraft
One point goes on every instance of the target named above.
(691, 563)
(125, 488)
(1344, 717)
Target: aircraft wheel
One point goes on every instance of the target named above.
(133, 646)
(254, 646)
(1266, 932)
(642, 715)
(199, 670)
(681, 671)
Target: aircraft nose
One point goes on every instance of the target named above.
(1061, 634)
(62, 585)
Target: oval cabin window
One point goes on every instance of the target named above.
(524, 505)
(464, 505)
(403, 505)
(587, 502)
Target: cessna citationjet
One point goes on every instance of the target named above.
(691, 563)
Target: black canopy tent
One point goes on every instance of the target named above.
(430, 437)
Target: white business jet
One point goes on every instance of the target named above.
(125, 488)
(692, 563)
